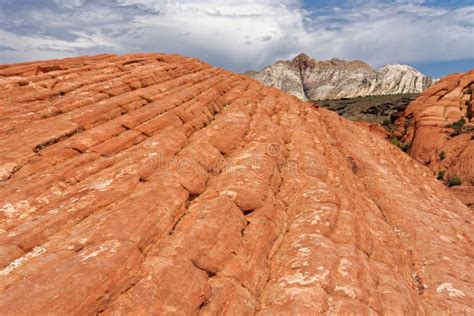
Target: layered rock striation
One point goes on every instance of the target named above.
(439, 127)
(157, 184)
(309, 79)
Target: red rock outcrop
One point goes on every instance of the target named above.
(439, 126)
(157, 184)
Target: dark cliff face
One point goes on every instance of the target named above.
(302, 61)
(309, 79)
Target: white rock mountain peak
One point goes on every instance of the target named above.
(308, 79)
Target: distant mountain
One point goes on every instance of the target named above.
(309, 79)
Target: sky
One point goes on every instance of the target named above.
(434, 36)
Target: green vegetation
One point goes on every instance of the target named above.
(372, 109)
(440, 175)
(442, 155)
(394, 141)
(457, 126)
(453, 181)
(405, 147)
(386, 122)
(468, 91)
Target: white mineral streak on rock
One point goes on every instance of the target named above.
(18, 262)
(448, 287)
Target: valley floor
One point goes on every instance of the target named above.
(372, 109)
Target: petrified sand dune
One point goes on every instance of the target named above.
(439, 126)
(148, 184)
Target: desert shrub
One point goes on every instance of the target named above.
(440, 175)
(386, 122)
(453, 181)
(405, 147)
(394, 141)
(458, 124)
(442, 155)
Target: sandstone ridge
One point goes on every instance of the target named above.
(439, 127)
(157, 184)
(309, 79)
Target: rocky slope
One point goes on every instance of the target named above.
(440, 129)
(309, 79)
(149, 183)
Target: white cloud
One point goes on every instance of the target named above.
(403, 32)
(46, 47)
(69, 4)
(238, 31)
(245, 35)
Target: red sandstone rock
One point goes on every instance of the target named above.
(427, 125)
(156, 184)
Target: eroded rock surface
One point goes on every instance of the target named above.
(440, 128)
(148, 184)
(309, 79)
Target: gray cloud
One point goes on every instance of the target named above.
(239, 35)
(265, 38)
(5, 48)
(69, 4)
